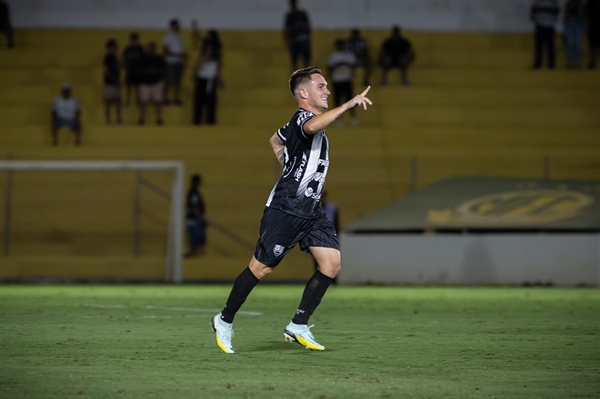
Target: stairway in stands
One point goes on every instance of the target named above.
(474, 107)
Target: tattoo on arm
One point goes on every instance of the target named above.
(278, 148)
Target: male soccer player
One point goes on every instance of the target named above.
(294, 213)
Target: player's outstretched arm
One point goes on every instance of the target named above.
(321, 122)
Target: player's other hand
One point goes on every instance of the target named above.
(361, 99)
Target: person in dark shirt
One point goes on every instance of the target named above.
(296, 32)
(592, 11)
(396, 52)
(132, 56)
(112, 81)
(5, 24)
(360, 47)
(293, 213)
(195, 220)
(152, 82)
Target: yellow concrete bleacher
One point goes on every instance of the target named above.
(474, 108)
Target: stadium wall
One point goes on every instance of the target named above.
(471, 259)
(426, 15)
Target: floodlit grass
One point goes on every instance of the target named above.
(382, 342)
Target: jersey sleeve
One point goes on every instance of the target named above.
(298, 123)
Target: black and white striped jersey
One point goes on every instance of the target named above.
(298, 190)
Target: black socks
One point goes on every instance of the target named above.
(311, 298)
(243, 285)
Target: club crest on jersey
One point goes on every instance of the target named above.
(278, 250)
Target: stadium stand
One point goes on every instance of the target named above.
(475, 108)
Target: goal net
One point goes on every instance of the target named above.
(96, 209)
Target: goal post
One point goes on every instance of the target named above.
(174, 255)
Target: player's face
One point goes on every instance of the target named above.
(317, 91)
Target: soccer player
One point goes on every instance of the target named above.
(293, 213)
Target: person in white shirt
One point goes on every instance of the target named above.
(66, 111)
(175, 59)
(208, 66)
(341, 65)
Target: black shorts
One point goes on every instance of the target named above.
(280, 232)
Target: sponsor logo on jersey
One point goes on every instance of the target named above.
(278, 250)
(310, 193)
(300, 170)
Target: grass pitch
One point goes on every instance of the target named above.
(382, 342)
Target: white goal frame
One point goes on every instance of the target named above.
(174, 262)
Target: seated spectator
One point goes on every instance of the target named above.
(360, 48)
(112, 81)
(396, 52)
(152, 82)
(66, 111)
(132, 55)
(341, 65)
(207, 68)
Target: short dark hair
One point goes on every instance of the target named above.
(133, 36)
(111, 43)
(301, 76)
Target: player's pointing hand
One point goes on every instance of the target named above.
(361, 99)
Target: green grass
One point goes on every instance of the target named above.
(382, 342)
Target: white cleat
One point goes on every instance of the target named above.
(223, 332)
(302, 335)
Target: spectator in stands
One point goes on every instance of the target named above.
(152, 82)
(5, 24)
(207, 69)
(112, 81)
(195, 216)
(544, 14)
(396, 52)
(175, 58)
(196, 36)
(359, 46)
(593, 31)
(574, 20)
(132, 55)
(296, 33)
(66, 111)
(341, 65)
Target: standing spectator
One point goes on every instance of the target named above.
(195, 220)
(66, 111)
(132, 55)
(341, 65)
(207, 68)
(544, 14)
(574, 27)
(175, 58)
(112, 81)
(396, 52)
(152, 82)
(5, 24)
(593, 26)
(360, 48)
(296, 32)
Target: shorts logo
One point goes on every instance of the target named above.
(278, 250)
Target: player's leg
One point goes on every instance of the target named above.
(323, 244)
(278, 235)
